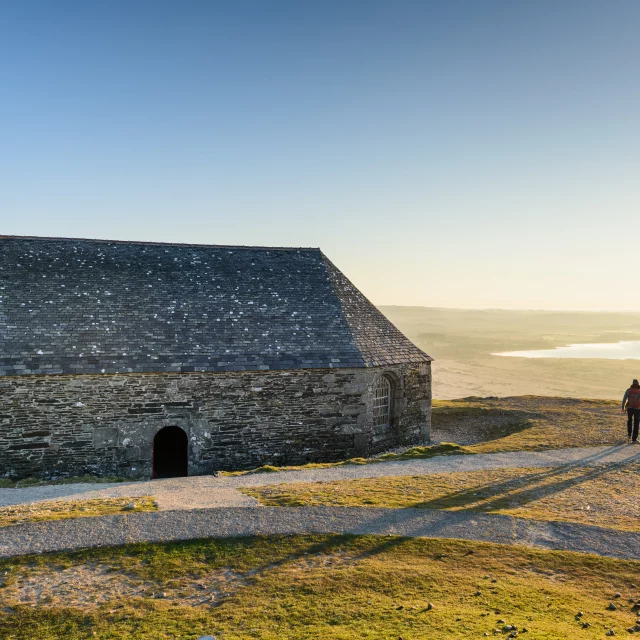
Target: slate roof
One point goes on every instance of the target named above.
(95, 306)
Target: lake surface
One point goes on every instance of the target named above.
(624, 350)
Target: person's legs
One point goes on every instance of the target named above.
(636, 422)
(629, 418)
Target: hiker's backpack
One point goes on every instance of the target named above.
(633, 401)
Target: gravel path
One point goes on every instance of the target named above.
(195, 492)
(62, 535)
(199, 492)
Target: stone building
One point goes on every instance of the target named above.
(157, 360)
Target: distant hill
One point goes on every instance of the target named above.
(462, 341)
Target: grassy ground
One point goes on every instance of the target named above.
(528, 422)
(63, 509)
(315, 587)
(7, 483)
(604, 496)
(414, 453)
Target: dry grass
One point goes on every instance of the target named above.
(414, 453)
(528, 423)
(64, 509)
(7, 483)
(304, 587)
(607, 496)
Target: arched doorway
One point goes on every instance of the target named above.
(170, 453)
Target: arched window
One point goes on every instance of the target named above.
(382, 402)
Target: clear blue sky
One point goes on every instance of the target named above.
(458, 153)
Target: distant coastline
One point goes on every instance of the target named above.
(622, 350)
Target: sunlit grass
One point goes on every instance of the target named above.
(7, 483)
(531, 422)
(65, 509)
(413, 453)
(600, 495)
(306, 587)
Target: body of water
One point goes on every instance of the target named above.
(624, 350)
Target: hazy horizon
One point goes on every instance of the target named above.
(532, 310)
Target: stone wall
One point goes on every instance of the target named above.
(105, 424)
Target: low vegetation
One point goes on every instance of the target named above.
(603, 495)
(64, 509)
(486, 425)
(413, 453)
(306, 587)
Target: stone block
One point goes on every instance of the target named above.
(131, 453)
(361, 445)
(105, 437)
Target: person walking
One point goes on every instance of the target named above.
(631, 404)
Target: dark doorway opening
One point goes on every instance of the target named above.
(170, 453)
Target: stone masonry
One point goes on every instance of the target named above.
(105, 425)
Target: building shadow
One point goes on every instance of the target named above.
(493, 496)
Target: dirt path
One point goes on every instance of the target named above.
(62, 535)
(200, 492)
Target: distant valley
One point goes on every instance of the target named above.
(462, 342)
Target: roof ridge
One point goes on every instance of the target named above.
(363, 319)
(163, 244)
